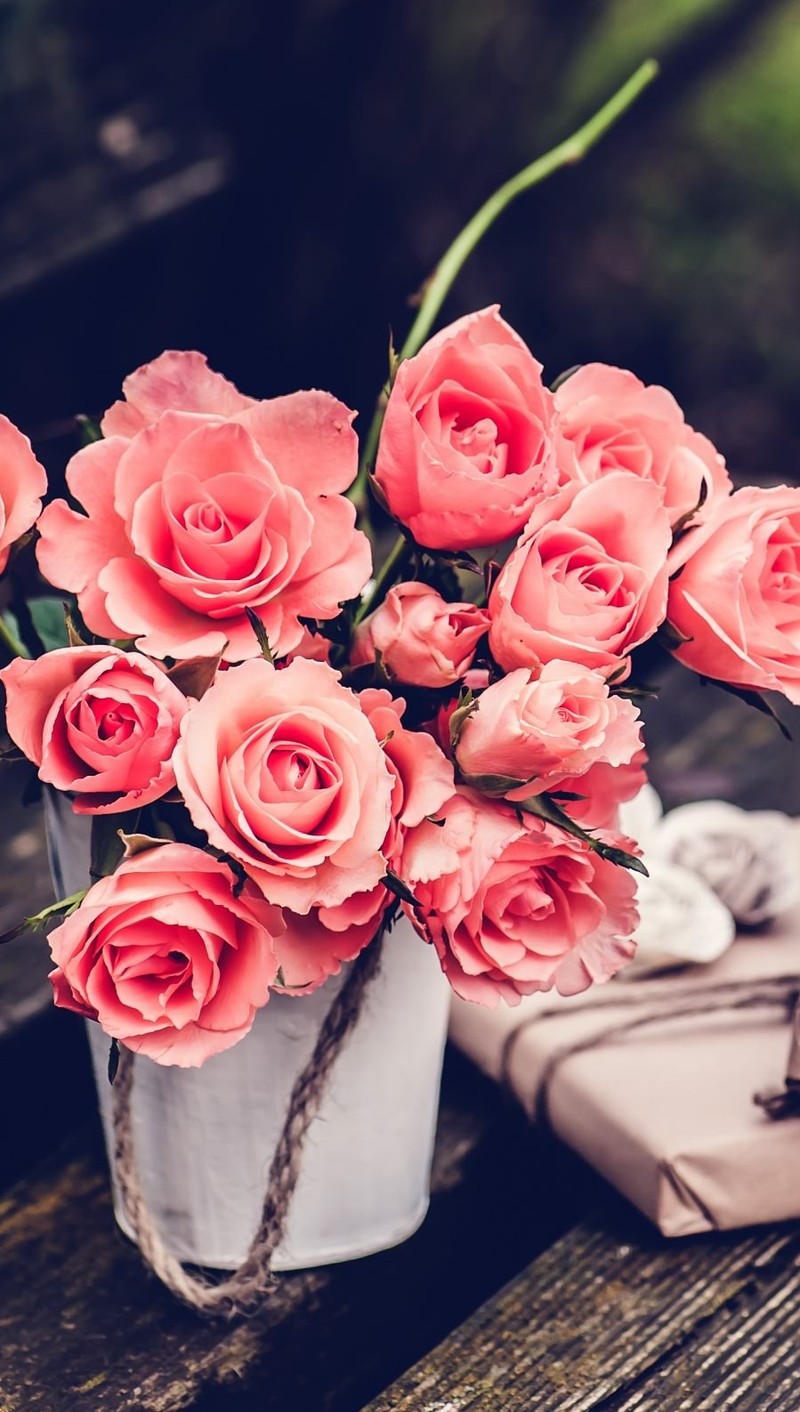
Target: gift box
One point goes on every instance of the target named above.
(652, 1081)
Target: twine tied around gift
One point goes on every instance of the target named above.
(246, 1290)
(778, 991)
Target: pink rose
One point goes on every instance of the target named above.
(197, 517)
(468, 441)
(548, 729)
(514, 907)
(588, 580)
(22, 484)
(617, 423)
(168, 955)
(315, 945)
(421, 639)
(284, 772)
(737, 594)
(101, 724)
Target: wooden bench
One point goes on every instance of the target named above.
(604, 1314)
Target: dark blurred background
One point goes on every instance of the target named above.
(270, 183)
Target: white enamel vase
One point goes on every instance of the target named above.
(204, 1138)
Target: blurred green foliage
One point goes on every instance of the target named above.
(748, 113)
(623, 32)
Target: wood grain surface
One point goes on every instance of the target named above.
(612, 1317)
(83, 1325)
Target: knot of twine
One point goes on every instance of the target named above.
(246, 1290)
(782, 992)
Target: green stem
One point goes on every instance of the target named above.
(572, 150)
(12, 643)
(394, 561)
(358, 490)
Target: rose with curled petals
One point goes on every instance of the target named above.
(100, 724)
(513, 905)
(547, 729)
(469, 443)
(283, 771)
(198, 516)
(587, 581)
(169, 954)
(614, 422)
(736, 595)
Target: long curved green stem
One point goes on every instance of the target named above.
(572, 150)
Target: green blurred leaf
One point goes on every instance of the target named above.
(11, 634)
(49, 620)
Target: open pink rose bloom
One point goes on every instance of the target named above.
(299, 744)
(201, 504)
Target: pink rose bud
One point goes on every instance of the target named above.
(283, 771)
(515, 906)
(218, 505)
(588, 580)
(737, 596)
(101, 724)
(547, 729)
(614, 422)
(421, 639)
(23, 482)
(469, 443)
(169, 955)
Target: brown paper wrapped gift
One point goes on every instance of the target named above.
(665, 1110)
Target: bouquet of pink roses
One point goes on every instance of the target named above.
(284, 739)
(278, 751)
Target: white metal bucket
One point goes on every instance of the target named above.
(204, 1137)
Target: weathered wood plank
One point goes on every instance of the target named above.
(612, 1317)
(83, 1325)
